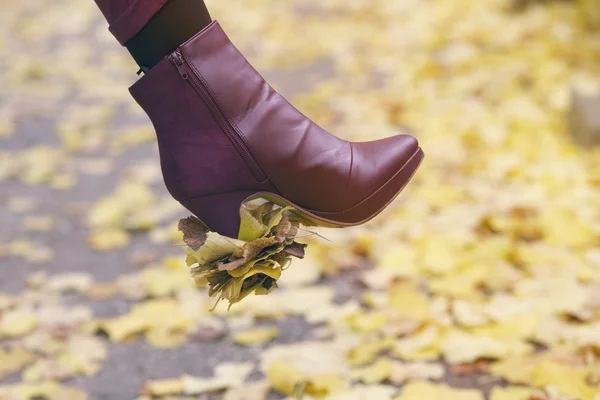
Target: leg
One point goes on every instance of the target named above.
(151, 29)
(175, 23)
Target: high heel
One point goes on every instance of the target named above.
(225, 136)
(219, 210)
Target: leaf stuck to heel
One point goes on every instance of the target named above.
(234, 268)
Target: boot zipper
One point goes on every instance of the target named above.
(226, 125)
(178, 61)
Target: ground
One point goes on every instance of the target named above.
(484, 274)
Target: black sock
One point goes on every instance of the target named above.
(175, 23)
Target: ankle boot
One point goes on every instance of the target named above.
(226, 137)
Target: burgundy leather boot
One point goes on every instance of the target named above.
(225, 136)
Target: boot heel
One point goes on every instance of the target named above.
(222, 210)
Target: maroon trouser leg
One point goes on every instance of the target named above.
(128, 17)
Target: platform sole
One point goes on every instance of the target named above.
(223, 209)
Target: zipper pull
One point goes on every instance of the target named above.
(177, 59)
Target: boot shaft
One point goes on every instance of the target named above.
(197, 158)
(276, 141)
(208, 103)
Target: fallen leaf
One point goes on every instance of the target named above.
(194, 232)
(256, 336)
(425, 390)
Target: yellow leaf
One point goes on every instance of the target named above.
(302, 272)
(461, 284)
(108, 239)
(564, 228)
(515, 328)
(365, 392)
(71, 393)
(461, 347)
(122, 328)
(426, 390)
(284, 377)
(363, 322)
(250, 227)
(160, 282)
(166, 338)
(400, 259)
(256, 336)
(48, 390)
(511, 393)
(325, 385)
(566, 379)
(226, 375)
(216, 246)
(254, 391)
(437, 254)
(70, 282)
(409, 302)
(517, 370)
(366, 352)
(421, 346)
(377, 372)
(13, 361)
(17, 323)
(307, 359)
(403, 372)
(163, 387)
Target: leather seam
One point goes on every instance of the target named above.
(416, 154)
(254, 103)
(350, 171)
(220, 193)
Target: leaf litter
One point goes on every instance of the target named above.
(488, 264)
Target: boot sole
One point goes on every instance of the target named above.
(340, 219)
(223, 209)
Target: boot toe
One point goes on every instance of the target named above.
(375, 162)
(395, 151)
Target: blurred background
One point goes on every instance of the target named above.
(481, 281)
